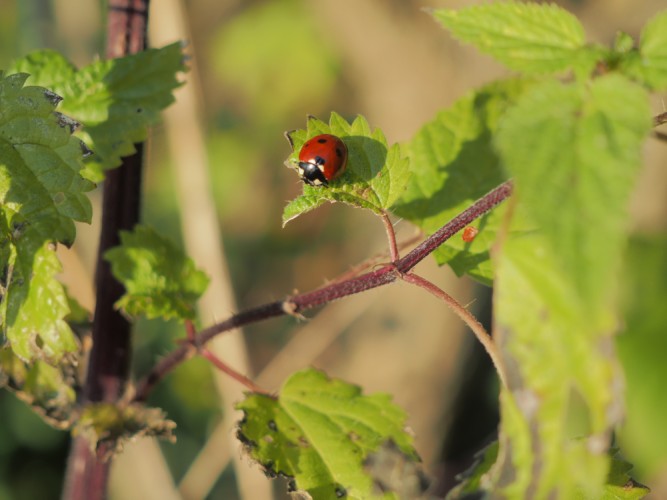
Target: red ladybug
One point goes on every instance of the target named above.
(321, 159)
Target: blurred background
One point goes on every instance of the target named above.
(215, 182)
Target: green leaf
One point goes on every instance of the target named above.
(473, 479)
(319, 431)
(454, 163)
(565, 386)
(375, 177)
(160, 280)
(620, 486)
(40, 163)
(648, 64)
(641, 347)
(527, 37)
(47, 389)
(114, 425)
(116, 100)
(574, 155)
(41, 195)
(35, 305)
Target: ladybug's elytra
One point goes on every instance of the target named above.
(321, 159)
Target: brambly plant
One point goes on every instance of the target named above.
(542, 164)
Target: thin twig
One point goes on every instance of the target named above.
(660, 119)
(302, 302)
(480, 332)
(223, 367)
(391, 237)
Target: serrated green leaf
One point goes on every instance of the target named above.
(40, 162)
(620, 485)
(41, 194)
(527, 37)
(648, 64)
(571, 150)
(160, 281)
(376, 174)
(454, 163)
(319, 431)
(116, 100)
(570, 147)
(114, 424)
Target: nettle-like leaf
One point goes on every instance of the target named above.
(376, 173)
(454, 163)
(41, 195)
(648, 64)
(527, 37)
(115, 99)
(47, 389)
(319, 432)
(113, 425)
(574, 156)
(159, 279)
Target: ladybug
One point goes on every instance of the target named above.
(322, 159)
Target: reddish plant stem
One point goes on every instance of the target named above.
(480, 332)
(302, 302)
(391, 237)
(108, 367)
(224, 367)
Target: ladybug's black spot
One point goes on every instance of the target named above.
(323, 140)
(319, 160)
(339, 152)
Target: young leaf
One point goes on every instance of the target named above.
(571, 148)
(114, 425)
(527, 37)
(319, 432)
(620, 485)
(41, 194)
(648, 64)
(375, 177)
(160, 280)
(454, 163)
(116, 100)
(47, 389)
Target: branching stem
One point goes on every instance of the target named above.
(302, 302)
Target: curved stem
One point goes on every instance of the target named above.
(480, 332)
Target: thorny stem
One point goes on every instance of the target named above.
(302, 302)
(480, 332)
